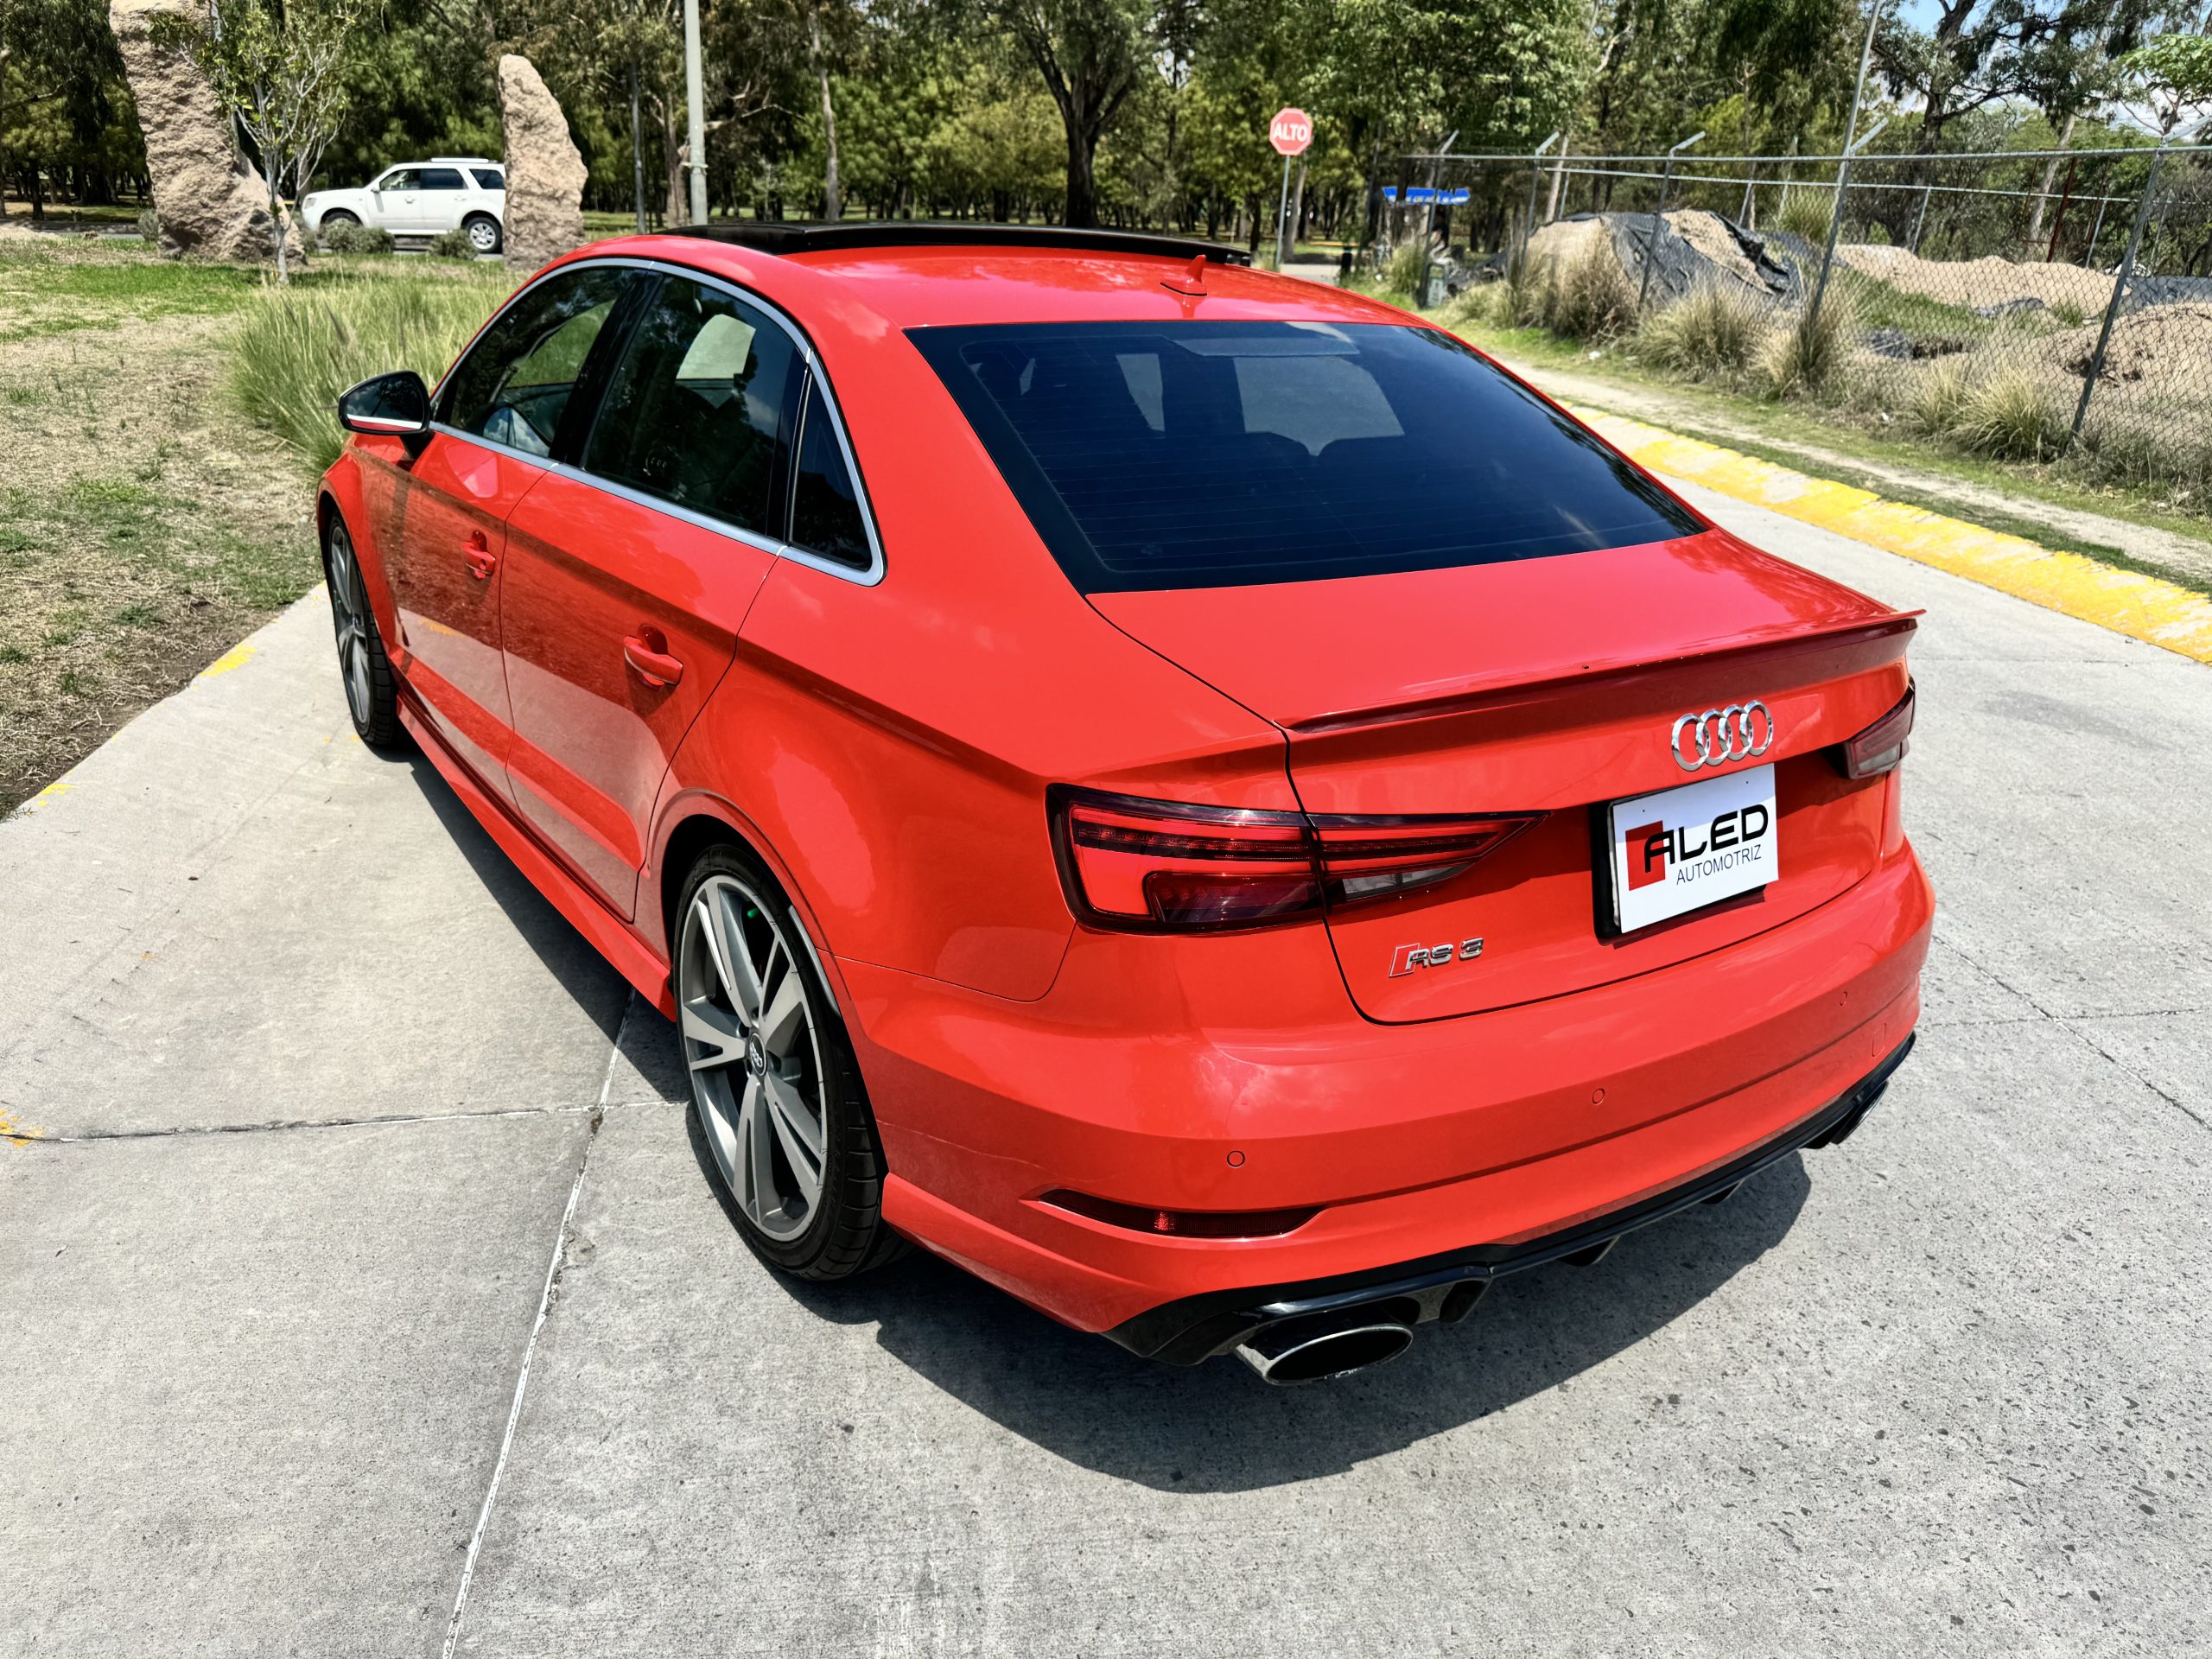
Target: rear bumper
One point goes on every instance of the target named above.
(1456, 1145)
(1198, 1327)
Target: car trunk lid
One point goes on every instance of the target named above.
(1549, 686)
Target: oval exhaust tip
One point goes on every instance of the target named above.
(1286, 1357)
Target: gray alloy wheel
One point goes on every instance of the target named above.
(753, 1038)
(370, 697)
(483, 233)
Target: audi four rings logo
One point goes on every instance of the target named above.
(1720, 735)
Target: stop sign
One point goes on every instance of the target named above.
(1290, 132)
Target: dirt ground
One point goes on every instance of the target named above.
(144, 528)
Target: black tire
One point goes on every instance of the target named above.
(365, 671)
(498, 239)
(845, 1234)
(336, 216)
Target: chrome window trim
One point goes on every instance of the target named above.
(779, 547)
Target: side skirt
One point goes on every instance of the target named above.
(607, 932)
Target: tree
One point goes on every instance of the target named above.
(279, 69)
(1090, 54)
(2174, 73)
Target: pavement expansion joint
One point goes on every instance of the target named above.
(28, 1136)
(553, 1271)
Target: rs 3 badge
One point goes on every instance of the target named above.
(1407, 957)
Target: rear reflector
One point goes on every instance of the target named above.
(1881, 745)
(1160, 866)
(1184, 1223)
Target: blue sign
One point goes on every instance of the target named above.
(1424, 193)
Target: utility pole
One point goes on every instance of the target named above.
(637, 148)
(695, 95)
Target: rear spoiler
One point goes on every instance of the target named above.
(1473, 694)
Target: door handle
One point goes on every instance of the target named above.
(482, 561)
(655, 668)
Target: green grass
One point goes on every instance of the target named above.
(50, 293)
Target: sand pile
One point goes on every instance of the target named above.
(1984, 281)
(2167, 345)
(1705, 233)
(1568, 240)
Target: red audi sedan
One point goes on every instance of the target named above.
(1193, 795)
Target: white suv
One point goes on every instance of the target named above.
(422, 199)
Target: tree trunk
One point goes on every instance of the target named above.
(833, 204)
(1082, 189)
(2050, 178)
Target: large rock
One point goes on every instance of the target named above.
(210, 200)
(545, 176)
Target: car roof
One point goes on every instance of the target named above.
(948, 275)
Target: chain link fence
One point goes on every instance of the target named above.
(2032, 304)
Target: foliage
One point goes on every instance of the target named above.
(1806, 215)
(347, 236)
(300, 346)
(2175, 71)
(150, 227)
(2015, 414)
(1587, 297)
(278, 66)
(1935, 402)
(452, 245)
(1807, 357)
(1714, 332)
(1403, 274)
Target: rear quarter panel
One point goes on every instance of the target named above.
(892, 743)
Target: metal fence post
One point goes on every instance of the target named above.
(1920, 219)
(1659, 216)
(2119, 293)
(1535, 177)
(1850, 142)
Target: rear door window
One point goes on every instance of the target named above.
(826, 517)
(1199, 454)
(442, 178)
(514, 386)
(698, 410)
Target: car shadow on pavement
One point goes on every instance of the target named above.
(1216, 1428)
(586, 976)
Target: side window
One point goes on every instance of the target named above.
(825, 507)
(442, 178)
(402, 178)
(696, 411)
(514, 386)
(488, 178)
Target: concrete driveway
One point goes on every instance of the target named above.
(325, 1099)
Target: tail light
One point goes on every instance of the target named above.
(1148, 866)
(1881, 745)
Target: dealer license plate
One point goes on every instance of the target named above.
(1684, 849)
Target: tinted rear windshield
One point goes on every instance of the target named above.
(1207, 455)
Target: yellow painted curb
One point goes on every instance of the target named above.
(2125, 602)
(237, 657)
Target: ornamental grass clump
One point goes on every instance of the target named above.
(300, 346)
(1714, 333)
